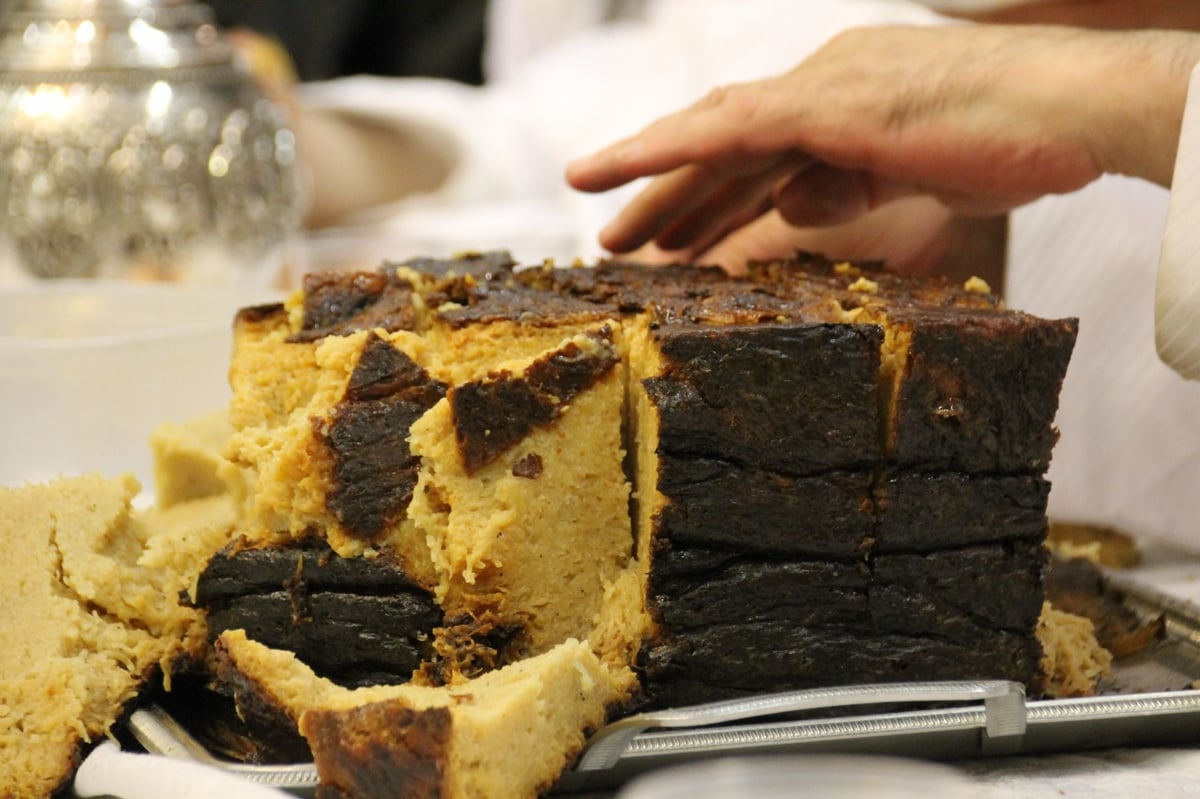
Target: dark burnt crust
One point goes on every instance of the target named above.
(383, 371)
(956, 593)
(694, 588)
(812, 276)
(678, 292)
(808, 265)
(725, 393)
(1078, 586)
(624, 286)
(741, 304)
(274, 730)
(491, 265)
(979, 390)
(349, 638)
(530, 466)
(374, 471)
(340, 303)
(564, 374)
(968, 574)
(382, 749)
(484, 289)
(461, 306)
(734, 625)
(721, 505)
(470, 643)
(842, 515)
(257, 314)
(239, 570)
(352, 620)
(726, 661)
(950, 530)
(924, 511)
(493, 415)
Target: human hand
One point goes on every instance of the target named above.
(915, 235)
(268, 63)
(911, 233)
(352, 162)
(982, 119)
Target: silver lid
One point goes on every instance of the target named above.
(132, 144)
(83, 35)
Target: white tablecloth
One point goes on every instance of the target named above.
(1119, 774)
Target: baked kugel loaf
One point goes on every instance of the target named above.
(820, 473)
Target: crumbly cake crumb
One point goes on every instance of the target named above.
(1073, 660)
(976, 285)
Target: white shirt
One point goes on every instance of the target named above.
(1177, 298)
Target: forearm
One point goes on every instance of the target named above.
(1136, 107)
(357, 163)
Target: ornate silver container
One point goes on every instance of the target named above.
(132, 144)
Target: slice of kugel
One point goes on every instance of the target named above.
(522, 492)
(508, 733)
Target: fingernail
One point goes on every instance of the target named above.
(573, 167)
(607, 236)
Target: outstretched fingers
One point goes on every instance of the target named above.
(719, 130)
(695, 206)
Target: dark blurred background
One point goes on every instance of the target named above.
(431, 38)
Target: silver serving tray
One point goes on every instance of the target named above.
(1150, 701)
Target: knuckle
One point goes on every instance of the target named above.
(738, 101)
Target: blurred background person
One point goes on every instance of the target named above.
(413, 38)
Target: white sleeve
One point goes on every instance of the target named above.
(1177, 294)
(489, 158)
(1128, 455)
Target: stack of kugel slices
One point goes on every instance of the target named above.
(819, 473)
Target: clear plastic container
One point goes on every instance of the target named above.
(88, 369)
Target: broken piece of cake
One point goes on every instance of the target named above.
(507, 733)
(90, 614)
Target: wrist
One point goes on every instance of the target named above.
(1139, 101)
